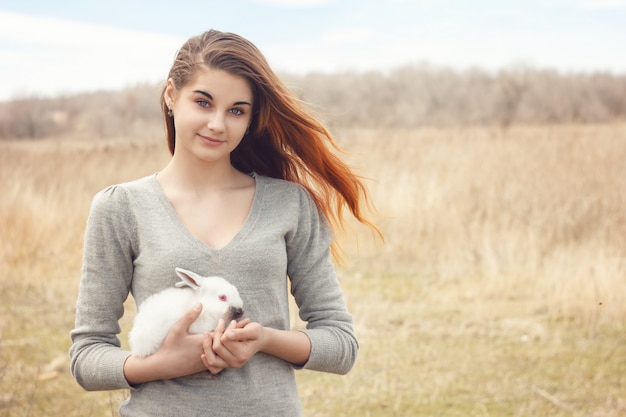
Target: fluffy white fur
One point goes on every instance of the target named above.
(157, 314)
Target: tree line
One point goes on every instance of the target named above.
(406, 97)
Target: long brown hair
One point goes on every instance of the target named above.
(284, 140)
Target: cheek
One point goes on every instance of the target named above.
(239, 126)
(185, 121)
(236, 132)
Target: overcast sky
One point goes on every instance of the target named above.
(64, 46)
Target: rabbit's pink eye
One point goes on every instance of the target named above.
(223, 297)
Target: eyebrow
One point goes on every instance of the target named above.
(210, 97)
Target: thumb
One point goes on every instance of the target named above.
(189, 317)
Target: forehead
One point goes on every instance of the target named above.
(221, 85)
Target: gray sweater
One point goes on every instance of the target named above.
(133, 242)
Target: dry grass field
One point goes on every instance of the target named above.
(500, 289)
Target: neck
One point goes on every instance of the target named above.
(199, 178)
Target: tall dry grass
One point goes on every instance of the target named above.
(539, 210)
(499, 290)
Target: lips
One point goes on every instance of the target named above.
(211, 141)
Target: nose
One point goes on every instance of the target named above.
(216, 122)
(236, 312)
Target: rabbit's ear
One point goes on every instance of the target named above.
(189, 279)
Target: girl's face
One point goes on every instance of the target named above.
(211, 114)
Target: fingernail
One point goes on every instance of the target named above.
(197, 306)
(231, 335)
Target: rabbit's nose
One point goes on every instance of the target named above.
(237, 312)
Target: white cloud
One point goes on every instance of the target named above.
(348, 36)
(603, 4)
(47, 56)
(57, 32)
(292, 3)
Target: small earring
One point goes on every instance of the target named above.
(170, 113)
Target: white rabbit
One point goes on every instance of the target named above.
(158, 313)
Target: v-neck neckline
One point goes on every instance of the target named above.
(238, 237)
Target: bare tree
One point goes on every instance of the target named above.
(408, 96)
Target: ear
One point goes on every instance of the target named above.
(170, 92)
(189, 279)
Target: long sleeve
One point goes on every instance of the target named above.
(318, 293)
(96, 357)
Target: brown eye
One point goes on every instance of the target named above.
(223, 297)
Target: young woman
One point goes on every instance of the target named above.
(252, 193)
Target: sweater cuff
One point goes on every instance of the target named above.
(108, 374)
(113, 371)
(117, 369)
(328, 353)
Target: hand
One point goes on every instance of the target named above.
(211, 360)
(181, 350)
(179, 355)
(233, 346)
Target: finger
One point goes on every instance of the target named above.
(214, 349)
(219, 328)
(240, 335)
(244, 322)
(188, 318)
(220, 345)
(211, 368)
(217, 333)
(229, 334)
(211, 361)
(207, 342)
